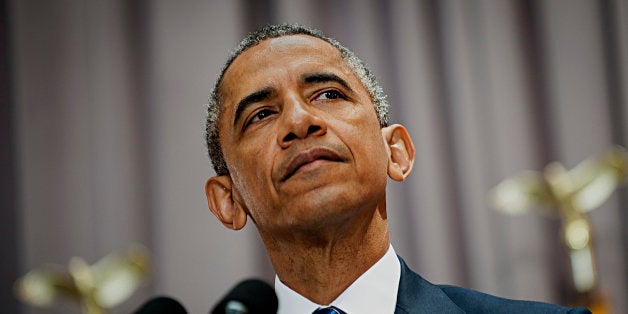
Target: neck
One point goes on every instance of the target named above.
(321, 265)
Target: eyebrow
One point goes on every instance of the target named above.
(324, 77)
(252, 98)
(265, 93)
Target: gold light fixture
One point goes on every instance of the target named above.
(97, 287)
(569, 195)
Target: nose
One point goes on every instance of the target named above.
(299, 121)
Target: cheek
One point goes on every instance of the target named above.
(250, 173)
(367, 149)
(249, 157)
(374, 150)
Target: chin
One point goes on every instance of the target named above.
(328, 207)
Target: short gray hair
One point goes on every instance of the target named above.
(214, 107)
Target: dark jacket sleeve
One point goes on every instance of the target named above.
(418, 296)
(477, 302)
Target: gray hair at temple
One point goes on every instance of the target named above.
(214, 107)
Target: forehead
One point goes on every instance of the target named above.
(291, 54)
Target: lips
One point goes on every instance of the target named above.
(308, 156)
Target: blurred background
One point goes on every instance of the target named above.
(103, 104)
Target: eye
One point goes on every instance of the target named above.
(259, 116)
(330, 95)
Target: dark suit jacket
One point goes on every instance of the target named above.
(417, 295)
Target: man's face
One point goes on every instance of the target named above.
(300, 136)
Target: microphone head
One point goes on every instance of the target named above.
(162, 305)
(256, 295)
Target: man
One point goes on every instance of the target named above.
(298, 134)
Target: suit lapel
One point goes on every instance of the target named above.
(416, 295)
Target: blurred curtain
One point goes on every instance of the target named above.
(108, 101)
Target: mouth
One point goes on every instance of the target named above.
(309, 157)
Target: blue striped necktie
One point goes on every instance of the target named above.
(328, 310)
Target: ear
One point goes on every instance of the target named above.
(219, 191)
(400, 151)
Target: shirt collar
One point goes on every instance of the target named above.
(375, 291)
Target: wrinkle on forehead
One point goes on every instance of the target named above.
(290, 44)
(270, 51)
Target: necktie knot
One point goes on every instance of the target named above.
(328, 310)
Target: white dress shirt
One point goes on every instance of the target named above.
(375, 291)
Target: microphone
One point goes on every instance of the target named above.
(161, 305)
(251, 296)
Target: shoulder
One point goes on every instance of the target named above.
(477, 302)
(417, 295)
